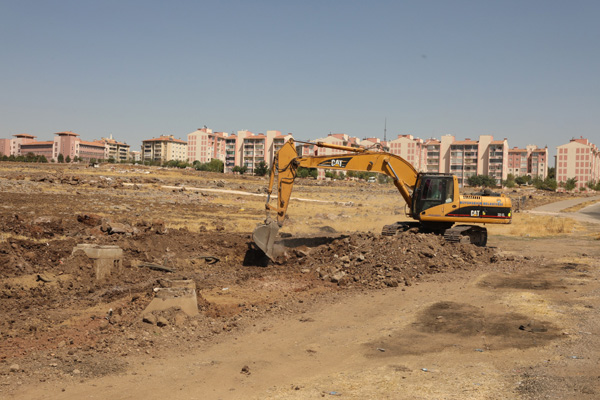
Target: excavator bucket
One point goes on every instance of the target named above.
(264, 237)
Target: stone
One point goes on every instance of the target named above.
(149, 319)
(14, 368)
(162, 321)
(119, 228)
(336, 277)
(89, 219)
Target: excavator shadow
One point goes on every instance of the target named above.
(255, 257)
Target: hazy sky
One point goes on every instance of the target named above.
(525, 70)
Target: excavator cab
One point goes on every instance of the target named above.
(432, 190)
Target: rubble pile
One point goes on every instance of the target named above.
(375, 261)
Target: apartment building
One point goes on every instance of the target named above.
(67, 144)
(578, 159)
(135, 156)
(436, 155)
(530, 161)
(409, 148)
(164, 148)
(248, 149)
(495, 159)
(538, 162)
(205, 145)
(118, 151)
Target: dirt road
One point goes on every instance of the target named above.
(487, 334)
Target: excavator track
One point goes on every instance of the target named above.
(458, 234)
(393, 229)
(467, 234)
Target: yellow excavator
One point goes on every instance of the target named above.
(433, 200)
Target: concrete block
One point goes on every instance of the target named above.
(179, 293)
(107, 259)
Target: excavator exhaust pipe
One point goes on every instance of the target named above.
(264, 238)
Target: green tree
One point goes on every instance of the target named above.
(590, 184)
(43, 159)
(61, 158)
(481, 180)
(552, 173)
(510, 181)
(68, 159)
(111, 160)
(240, 170)
(570, 184)
(214, 165)
(523, 180)
(261, 169)
(307, 172)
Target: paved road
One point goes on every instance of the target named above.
(587, 214)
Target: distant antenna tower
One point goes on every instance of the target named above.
(385, 130)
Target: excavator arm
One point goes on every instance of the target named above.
(285, 167)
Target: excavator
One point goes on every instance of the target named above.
(433, 200)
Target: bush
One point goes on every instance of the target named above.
(570, 183)
(303, 172)
(214, 165)
(544, 184)
(481, 180)
(523, 180)
(261, 169)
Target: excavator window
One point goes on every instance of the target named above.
(433, 191)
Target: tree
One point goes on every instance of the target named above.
(590, 184)
(68, 159)
(93, 161)
(214, 165)
(570, 184)
(481, 180)
(43, 159)
(307, 172)
(61, 158)
(111, 160)
(510, 181)
(240, 170)
(552, 173)
(523, 180)
(261, 169)
(544, 184)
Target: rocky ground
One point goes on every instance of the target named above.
(60, 320)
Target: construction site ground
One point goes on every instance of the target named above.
(346, 313)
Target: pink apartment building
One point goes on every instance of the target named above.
(66, 143)
(409, 148)
(578, 159)
(530, 161)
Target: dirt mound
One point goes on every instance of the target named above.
(371, 260)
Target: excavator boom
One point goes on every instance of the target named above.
(285, 167)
